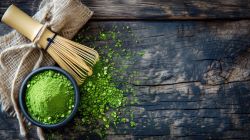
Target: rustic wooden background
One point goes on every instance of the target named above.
(195, 72)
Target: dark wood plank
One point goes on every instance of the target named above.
(194, 79)
(29, 7)
(9, 129)
(174, 9)
(195, 74)
(154, 9)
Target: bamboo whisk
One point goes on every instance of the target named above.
(75, 58)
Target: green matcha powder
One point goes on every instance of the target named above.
(49, 97)
(107, 97)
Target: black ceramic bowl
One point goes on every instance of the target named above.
(22, 94)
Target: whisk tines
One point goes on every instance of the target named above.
(75, 58)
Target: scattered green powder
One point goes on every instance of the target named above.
(106, 95)
(100, 94)
(49, 97)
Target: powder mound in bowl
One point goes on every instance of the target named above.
(49, 97)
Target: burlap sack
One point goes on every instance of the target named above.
(19, 56)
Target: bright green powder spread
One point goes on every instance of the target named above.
(49, 97)
(107, 95)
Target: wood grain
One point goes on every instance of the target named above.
(195, 79)
(173, 9)
(154, 9)
(195, 75)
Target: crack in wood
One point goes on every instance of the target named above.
(189, 82)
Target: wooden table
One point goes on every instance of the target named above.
(195, 72)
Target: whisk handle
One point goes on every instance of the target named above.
(20, 21)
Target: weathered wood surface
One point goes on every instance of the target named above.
(154, 9)
(195, 80)
(195, 74)
(9, 129)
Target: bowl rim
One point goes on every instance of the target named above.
(22, 93)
